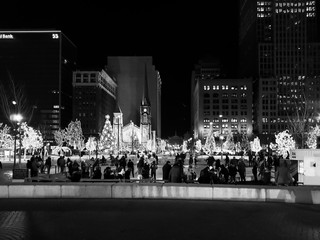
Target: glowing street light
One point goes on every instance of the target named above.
(17, 118)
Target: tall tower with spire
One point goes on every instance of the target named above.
(117, 127)
(145, 112)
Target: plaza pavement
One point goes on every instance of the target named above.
(96, 219)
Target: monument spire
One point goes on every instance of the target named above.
(145, 94)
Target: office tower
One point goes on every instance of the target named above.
(94, 97)
(280, 48)
(40, 63)
(225, 105)
(131, 73)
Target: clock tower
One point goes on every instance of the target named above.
(145, 112)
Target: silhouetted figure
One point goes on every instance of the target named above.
(165, 171)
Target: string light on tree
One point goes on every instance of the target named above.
(107, 139)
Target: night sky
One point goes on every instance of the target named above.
(176, 35)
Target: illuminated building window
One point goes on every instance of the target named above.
(225, 120)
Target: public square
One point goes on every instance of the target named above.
(92, 219)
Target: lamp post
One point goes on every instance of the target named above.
(132, 137)
(16, 118)
(118, 122)
(221, 136)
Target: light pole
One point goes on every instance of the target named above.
(16, 118)
(118, 122)
(221, 136)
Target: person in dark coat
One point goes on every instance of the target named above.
(242, 170)
(34, 167)
(97, 173)
(165, 171)
(130, 165)
(176, 173)
(48, 164)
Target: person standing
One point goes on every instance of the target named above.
(242, 170)
(48, 164)
(165, 171)
(153, 168)
(130, 165)
(176, 173)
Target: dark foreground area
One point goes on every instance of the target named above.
(155, 219)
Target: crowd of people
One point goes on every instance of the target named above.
(145, 166)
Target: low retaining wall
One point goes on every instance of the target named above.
(295, 194)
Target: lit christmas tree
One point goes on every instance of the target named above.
(6, 140)
(284, 142)
(229, 143)
(31, 139)
(312, 137)
(107, 139)
(210, 144)
(74, 135)
(255, 145)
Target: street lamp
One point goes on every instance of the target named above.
(221, 136)
(17, 118)
(118, 122)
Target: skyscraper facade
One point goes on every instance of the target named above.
(279, 47)
(94, 97)
(131, 72)
(219, 104)
(40, 63)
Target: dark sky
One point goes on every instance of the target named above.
(176, 35)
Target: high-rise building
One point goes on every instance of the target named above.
(41, 64)
(131, 73)
(219, 104)
(279, 47)
(94, 97)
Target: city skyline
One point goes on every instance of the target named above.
(175, 36)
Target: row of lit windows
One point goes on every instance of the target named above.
(233, 120)
(263, 3)
(263, 15)
(225, 95)
(224, 87)
(295, 4)
(262, 9)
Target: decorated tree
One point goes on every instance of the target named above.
(6, 140)
(284, 142)
(60, 137)
(312, 137)
(255, 145)
(245, 143)
(107, 139)
(229, 143)
(31, 139)
(74, 135)
(210, 144)
(91, 145)
(198, 145)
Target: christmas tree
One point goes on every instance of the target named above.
(210, 145)
(107, 139)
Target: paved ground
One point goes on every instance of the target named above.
(156, 219)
